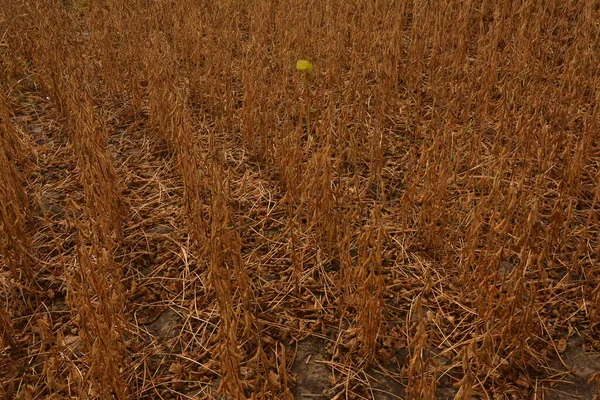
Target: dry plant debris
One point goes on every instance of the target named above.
(191, 209)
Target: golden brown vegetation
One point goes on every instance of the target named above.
(180, 208)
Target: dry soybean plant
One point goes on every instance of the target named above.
(266, 200)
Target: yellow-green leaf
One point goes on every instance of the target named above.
(304, 65)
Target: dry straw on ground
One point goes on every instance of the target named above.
(185, 214)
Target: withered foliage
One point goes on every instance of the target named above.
(180, 208)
